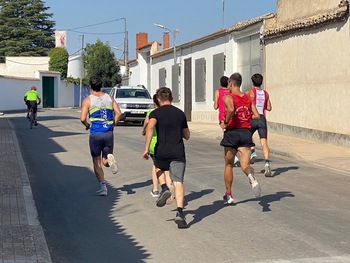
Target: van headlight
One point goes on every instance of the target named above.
(150, 106)
(123, 105)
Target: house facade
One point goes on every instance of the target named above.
(307, 69)
(193, 71)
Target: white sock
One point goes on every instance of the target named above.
(103, 185)
(251, 177)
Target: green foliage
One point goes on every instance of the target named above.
(59, 61)
(99, 60)
(25, 28)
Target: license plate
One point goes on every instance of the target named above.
(137, 111)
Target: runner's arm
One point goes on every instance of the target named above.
(230, 108)
(84, 112)
(268, 104)
(186, 133)
(216, 100)
(148, 137)
(117, 112)
(256, 115)
(145, 122)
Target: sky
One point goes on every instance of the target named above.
(103, 19)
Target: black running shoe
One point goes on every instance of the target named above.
(163, 196)
(180, 220)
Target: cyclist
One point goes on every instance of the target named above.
(32, 100)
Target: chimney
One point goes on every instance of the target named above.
(166, 40)
(141, 41)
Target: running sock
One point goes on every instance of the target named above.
(267, 162)
(251, 177)
(228, 193)
(179, 209)
(103, 184)
(164, 187)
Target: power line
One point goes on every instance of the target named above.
(97, 24)
(95, 33)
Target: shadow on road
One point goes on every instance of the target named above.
(77, 224)
(281, 170)
(265, 200)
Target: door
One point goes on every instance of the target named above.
(188, 88)
(48, 92)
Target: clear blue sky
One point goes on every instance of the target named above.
(194, 18)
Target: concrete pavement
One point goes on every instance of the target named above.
(21, 235)
(22, 238)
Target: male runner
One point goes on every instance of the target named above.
(237, 136)
(104, 114)
(171, 125)
(219, 104)
(262, 102)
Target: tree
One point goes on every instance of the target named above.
(100, 60)
(59, 61)
(25, 28)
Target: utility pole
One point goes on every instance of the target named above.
(223, 14)
(126, 48)
(81, 69)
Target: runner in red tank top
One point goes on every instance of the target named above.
(237, 137)
(219, 104)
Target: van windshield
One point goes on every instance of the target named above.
(133, 93)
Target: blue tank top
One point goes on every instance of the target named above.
(101, 114)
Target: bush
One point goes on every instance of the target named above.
(59, 61)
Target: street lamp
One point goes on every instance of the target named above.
(123, 52)
(174, 32)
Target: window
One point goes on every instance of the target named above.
(200, 80)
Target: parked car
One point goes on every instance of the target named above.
(133, 101)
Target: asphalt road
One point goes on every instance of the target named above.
(302, 216)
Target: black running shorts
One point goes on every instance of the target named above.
(236, 138)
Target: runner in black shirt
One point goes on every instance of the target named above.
(171, 126)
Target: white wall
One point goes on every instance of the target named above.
(24, 67)
(13, 91)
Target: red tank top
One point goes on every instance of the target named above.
(221, 104)
(242, 114)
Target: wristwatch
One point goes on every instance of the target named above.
(225, 122)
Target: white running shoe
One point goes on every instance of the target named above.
(112, 163)
(228, 199)
(253, 157)
(236, 162)
(102, 192)
(268, 170)
(255, 186)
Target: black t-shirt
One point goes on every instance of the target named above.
(170, 124)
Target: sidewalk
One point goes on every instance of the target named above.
(21, 235)
(322, 154)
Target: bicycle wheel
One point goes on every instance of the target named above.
(31, 118)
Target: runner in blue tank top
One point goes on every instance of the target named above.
(104, 114)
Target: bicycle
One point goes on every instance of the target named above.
(31, 118)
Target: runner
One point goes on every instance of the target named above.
(219, 104)
(171, 125)
(237, 136)
(104, 114)
(262, 102)
(154, 192)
